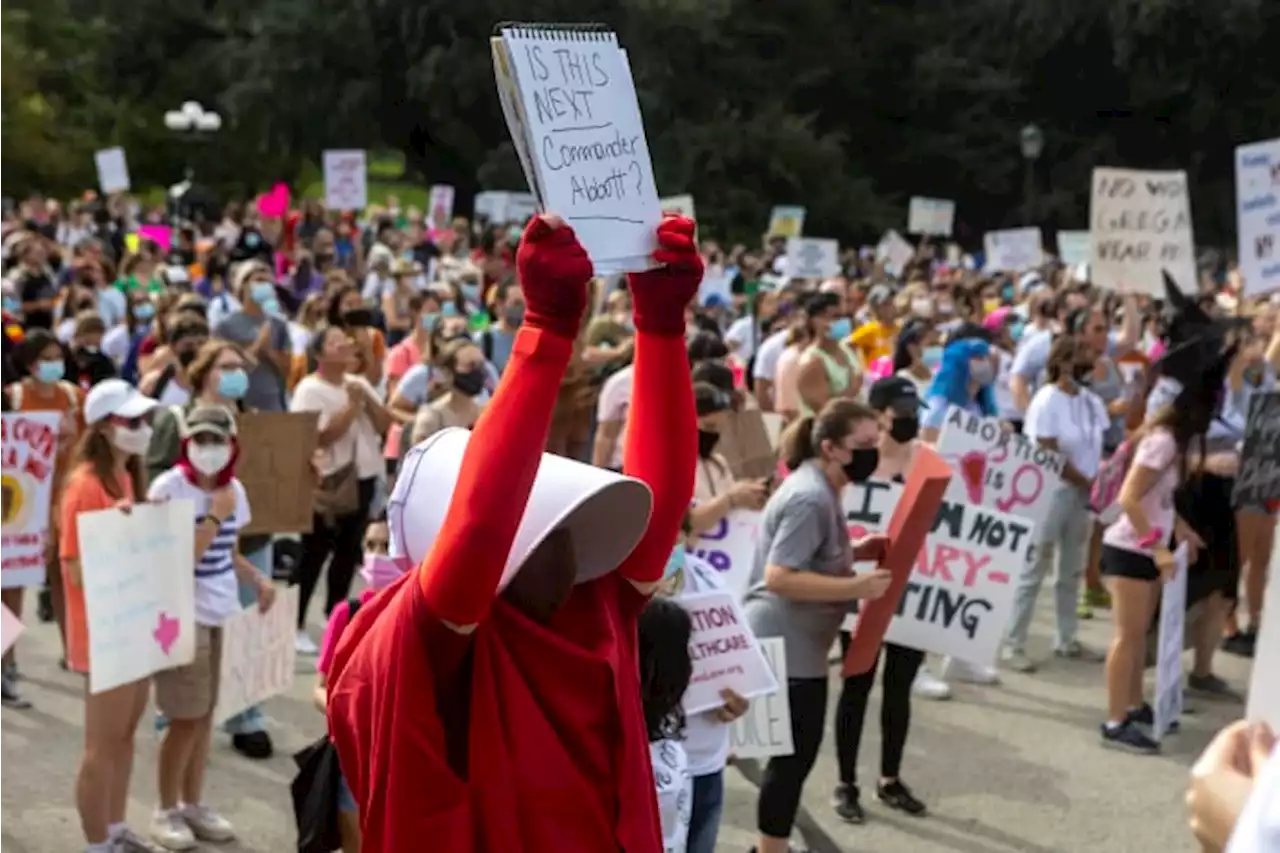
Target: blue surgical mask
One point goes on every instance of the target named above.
(430, 321)
(144, 311)
(1006, 294)
(50, 371)
(263, 292)
(931, 357)
(233, 384)
(270, 306)
(471, 292)
(449, 309)
(675, 562)
(1015, 330)
(840, 329)
(13, 304)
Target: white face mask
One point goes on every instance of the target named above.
(132, 441)
(209, 459)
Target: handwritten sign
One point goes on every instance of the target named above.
(895, 252)
(724, 652)
(346, 183)
(113, 170)
(258, 655)
(10, 628)
(1013, 249)
(1173, 607)
(1258, 482)
(1264, 686)
(786, 221)
(931, 216)
(1141, 224)
(681, 204)
(997, 470)
(275, 468)
(30, 450)
(139, 591)
(440, 206)
(1075, 247)
(811, 258)
(1258, 215)
(502, 207)
(765, 730)
(730, 548)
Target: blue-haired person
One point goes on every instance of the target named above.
(964, 379)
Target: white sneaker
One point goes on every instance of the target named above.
(929, 686)
(1017, 660)
(208, 825)
(958, 670)
(171, 831)
(303, 644)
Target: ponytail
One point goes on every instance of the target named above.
(797, 442)
(802, 439)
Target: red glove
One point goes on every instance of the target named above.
(554, 271)
(659, 296)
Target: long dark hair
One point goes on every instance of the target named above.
(802, 439)
(96, 450)
(665, 667)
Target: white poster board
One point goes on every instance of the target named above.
(1258, 215)
(346, 181)
(138, 571)
(440, 206)
(812, 258)
(1173, 611)
(730, 548)
(1013, 249)
(895, 252)
(765, 730)
(724, 652)
(931, 216)
(30, 453)
(113, 170)
(786, 220)
(1141, 224)
(258, 655)
(1075, 247)
(681, 204)
(1264, 686)
(503, 207)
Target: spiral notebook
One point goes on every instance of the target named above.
(570, 105)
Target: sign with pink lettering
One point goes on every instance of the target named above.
(724, 652)
(998, 470)
(960, 594)
(730, 548)
(30, 451)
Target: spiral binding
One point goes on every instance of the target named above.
(564, 32)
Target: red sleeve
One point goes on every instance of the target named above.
(461, 571)
(662, 446)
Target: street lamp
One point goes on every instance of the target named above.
(1031, 140)
(192, 121)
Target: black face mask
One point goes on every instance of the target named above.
(707, 442)
(905, 429)
(186, 356)
(470, 383)
(862, 465)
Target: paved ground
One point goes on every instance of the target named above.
(1013, 769)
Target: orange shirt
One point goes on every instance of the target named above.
(27, 396)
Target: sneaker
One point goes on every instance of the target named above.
(303, 644)
(1241, 644)
(929, 686)
(208, 825)
(845, 802)
(958, 670)
(129, 841)
(1143, 715)
(9, 695)
(253, 745)
(1129, 737)
(1212, 685)
(898, 796)
(1017, 660)
(1075, 651)
(171, 831)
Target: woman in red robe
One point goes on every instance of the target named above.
(481, 706)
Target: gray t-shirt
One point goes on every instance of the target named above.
(802, 528)
(266, 385)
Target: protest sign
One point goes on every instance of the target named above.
(501, 207)
(997, 469)
(139, 590)
(1141, 224)
(1264, 685)
(730, 548)
(786, 221)
(161, 235)
(894, 252)
(745, 444)
(931, 216)
(10, 628)
(960, 594)
(26, 486)
(258, 655)
(113, 170)
(681, 204)
(1074, 247)
(1013, 249)
(1258, 481)
(346, 183)
(765, 730)
(812, 258)
(1258, 215)
(724, 652)
(1173, 608)
(440, 206)
(275, 469)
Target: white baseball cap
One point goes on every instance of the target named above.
(115, 397)
(605, 513)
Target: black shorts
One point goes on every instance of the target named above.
(1121, 563)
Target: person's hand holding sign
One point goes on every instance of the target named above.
(554, 273)
(734, 706)
(870, 549)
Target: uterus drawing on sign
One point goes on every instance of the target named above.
(979, 474)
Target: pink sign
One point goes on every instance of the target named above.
(161, 235)
(274, 203)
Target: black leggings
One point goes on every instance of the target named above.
(784, 776)
(342, 544)
(900, 667)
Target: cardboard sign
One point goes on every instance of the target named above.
(258, 655)
(10, 628)
(1173, 607)
(811, 258)
(440, 206)
(931, 216)
(138, 571)
(275, 468)
(26, 485)
(1075, 247)
(765, 730)
(1141, 224)
(113, 170)
(724, 652)
(346, 182)
(1013, 249)
(786, 221)
(912, 520)
(730, 548)
(1258, 215)
(745, 445)
(1264, 686)
(1258, 482)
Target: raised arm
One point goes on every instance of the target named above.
(461, 571)
(662, 434)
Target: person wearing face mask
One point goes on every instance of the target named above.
(107, 473)
(187, 695)
(964, 379)
(874, 338)
(802, 582)
(416, 349)
(43, 389)
(91, 365)
(261, 332)
(715, 492)
(1069, 419)
(827, 369)
(170, 385)
(122, 343)
(461, 365)
(916, 355)
(497, 339)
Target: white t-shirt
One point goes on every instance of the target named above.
(614, 402)
(217, 592)
(740, 336)
(116, 344)
(360, 441)
(706, 739)
(1003, 395)
(1077, 421)
(675, 792)
(767, 358)
(376, 287)
(173, 394)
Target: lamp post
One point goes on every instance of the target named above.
(192, 122)
(1031, 140)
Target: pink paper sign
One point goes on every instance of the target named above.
(275, 203)
(161, 235)
(10, 628)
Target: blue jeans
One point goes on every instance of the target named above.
(250, 720)
(704, 817)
